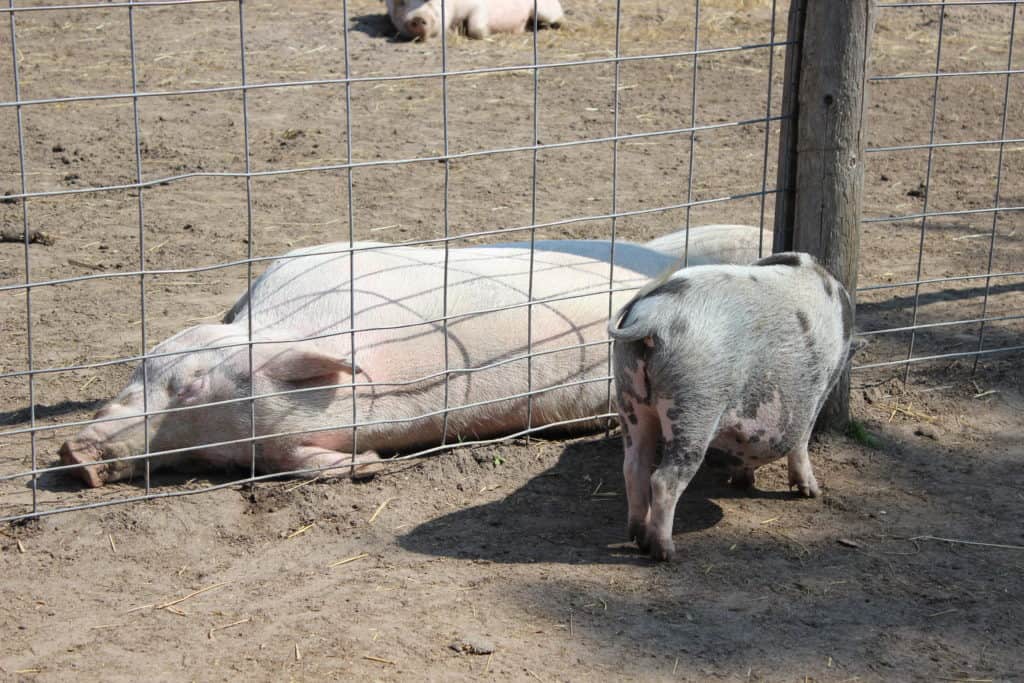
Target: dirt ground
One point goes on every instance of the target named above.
(515, 550)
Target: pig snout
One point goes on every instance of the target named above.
(83, 450)
(104, 443)
(79, 452)
(417, 26)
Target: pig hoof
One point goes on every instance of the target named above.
(743, 480)
(78, 453)
(367, 471)
(638, 532)
(807, 489)
(662, 551)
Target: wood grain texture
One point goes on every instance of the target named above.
(828, 181)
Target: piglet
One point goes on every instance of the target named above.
(421, 19)
(735, 359)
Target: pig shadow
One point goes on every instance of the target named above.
(192, 471)
(574, 513)
(376, 26)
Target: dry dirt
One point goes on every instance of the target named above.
(515, 547)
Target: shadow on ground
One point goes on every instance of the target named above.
(837, 588)
(573, 513)
(375, 26)
(21, 416)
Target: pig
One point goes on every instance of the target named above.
(421, 19)
(715, 244)
(726, 363)
(198, 382)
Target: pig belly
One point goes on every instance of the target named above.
(744, 442)
(486, 364)
(738, 450)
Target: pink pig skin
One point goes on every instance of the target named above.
(399, 360)
(421, 19)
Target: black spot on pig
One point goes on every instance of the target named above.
(678, 327)
(755, 394)
(826, 279)
(814, 363)
(676, 286)
(784, 259)
(844, 300)
(805, 323)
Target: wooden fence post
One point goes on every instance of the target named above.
(786, 180)
(821, 195)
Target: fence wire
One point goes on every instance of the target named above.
(929, 309)
(696, 139)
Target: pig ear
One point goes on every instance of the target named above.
(300, 363)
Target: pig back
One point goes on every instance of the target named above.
(400, 296)
(491, 331)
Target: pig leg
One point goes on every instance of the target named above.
(549, 13)
(327, 462)
(476, 22)
(687, 437)
(800, 474)
(640, 441)
(742, 478)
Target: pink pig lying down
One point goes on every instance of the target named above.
(422, 18)
(198, 381)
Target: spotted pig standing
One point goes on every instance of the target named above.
(735, 359)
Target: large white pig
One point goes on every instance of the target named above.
(421, 19)
(708, 245)
(303, 366)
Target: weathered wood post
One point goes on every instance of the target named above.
(821, 150)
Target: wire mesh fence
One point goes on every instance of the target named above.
(174, 151)
(944, 186)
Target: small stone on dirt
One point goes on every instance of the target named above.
(472, 644)
(930, 431)
(847, 542)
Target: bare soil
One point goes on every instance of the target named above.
(516, 548)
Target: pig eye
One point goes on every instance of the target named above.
(191, 391)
